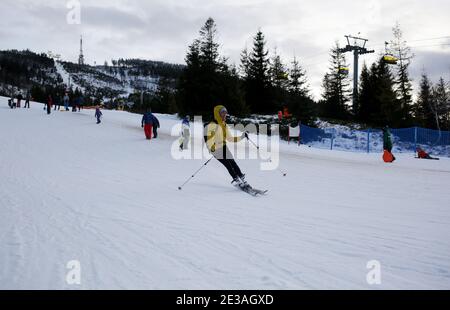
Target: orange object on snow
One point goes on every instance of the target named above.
(388, 157)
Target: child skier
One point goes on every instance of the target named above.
(185, 134)
(217, 136)
(98, 114)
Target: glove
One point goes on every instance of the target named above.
(213, 148)
(142, 126)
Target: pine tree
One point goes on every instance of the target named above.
(366, 95)
(207, 80)
(209, 48)
(279, 79)
(336, 87)
(163, 95)
(297, 81)
(422, 109)
(231, 91)
(259, 61)
(189, 92)
(441, 96)
(387, 110)
(257, 83)
(245, 64)
(403, 87)
(278, 73)
(378, 105)
(300, 104)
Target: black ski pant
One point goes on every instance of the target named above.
(226, 159)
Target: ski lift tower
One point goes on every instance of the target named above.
(81, 57)
(357, 49)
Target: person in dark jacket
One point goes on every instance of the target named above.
(80, 103)
(57, 102)
(155, 127)
(147, 124)
(75, 103)
(27, 101)
(19, 99)
(49, 104)
(98, 114)
(11, 101)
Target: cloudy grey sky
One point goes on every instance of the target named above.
(162, 29)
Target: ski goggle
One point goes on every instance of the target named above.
(223, 111)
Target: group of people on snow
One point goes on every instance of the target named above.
(217, 132)
(57, 101)
(217, 135)
(388, 157)
(16, 102)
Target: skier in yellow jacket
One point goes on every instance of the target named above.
(217, 136)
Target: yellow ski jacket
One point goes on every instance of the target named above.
(218, 133)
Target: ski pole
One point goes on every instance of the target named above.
(193, 176)
(270, 160)
(248, 138)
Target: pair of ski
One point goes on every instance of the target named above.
(432, 158)
(252, 191)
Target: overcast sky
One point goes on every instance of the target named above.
(162, 29)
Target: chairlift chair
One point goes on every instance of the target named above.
(343, 70)
(388, 58)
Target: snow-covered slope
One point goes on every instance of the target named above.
(67, 80)
(102, 80)
(103, 195)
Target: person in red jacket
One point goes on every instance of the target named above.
(147, 123)
(423, 155)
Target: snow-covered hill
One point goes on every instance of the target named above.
(99, 79)
(120, 82)
(104, 196)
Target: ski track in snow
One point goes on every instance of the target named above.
(102, 195)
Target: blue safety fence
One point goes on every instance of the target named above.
(405, 140)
